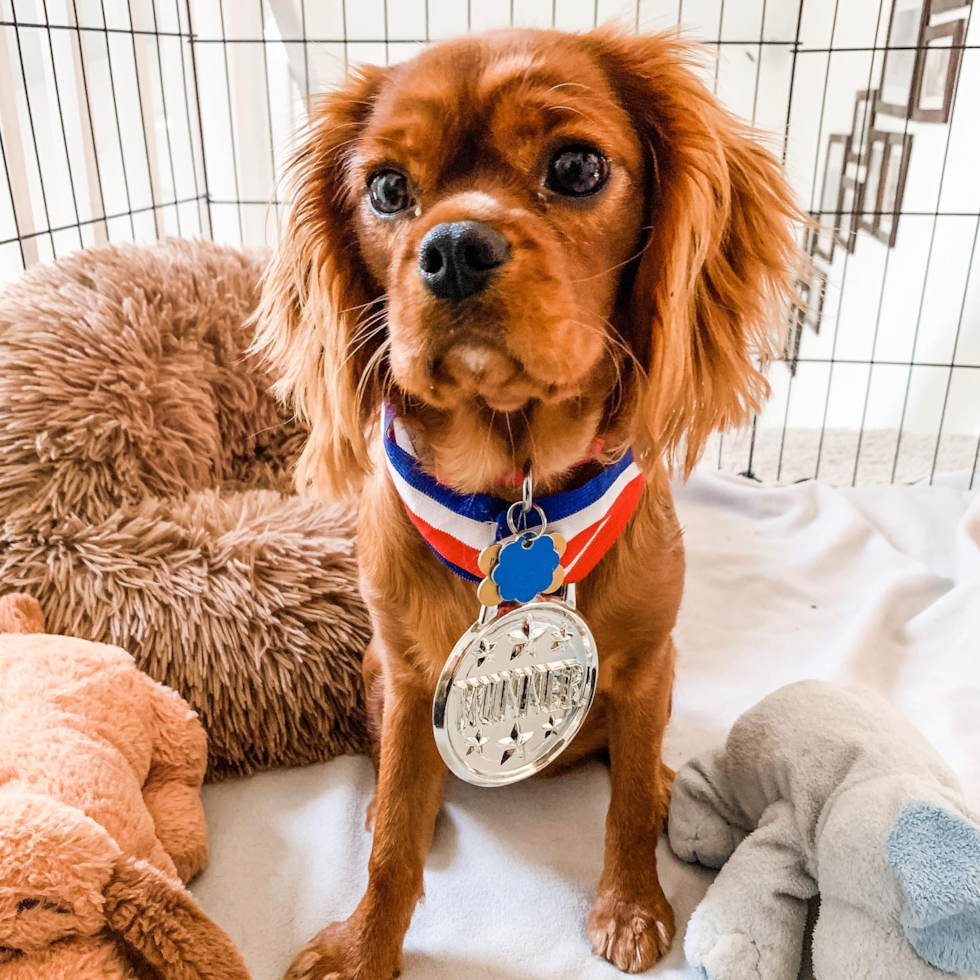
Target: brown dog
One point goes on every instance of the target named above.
(539, 248)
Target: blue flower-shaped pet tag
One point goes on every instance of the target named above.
(525, 567)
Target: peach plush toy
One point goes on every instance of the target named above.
(100, 816)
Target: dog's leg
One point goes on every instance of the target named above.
(631, 923)
(367, 946)
(374, 693)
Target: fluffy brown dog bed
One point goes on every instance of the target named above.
(145, 498)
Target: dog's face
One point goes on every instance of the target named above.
(500, 196)
(536, 244)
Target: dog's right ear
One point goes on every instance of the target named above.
(316, 292)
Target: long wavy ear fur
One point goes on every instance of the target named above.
(156, 917)
(316, 291)
(712, 287)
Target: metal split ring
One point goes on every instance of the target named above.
(536, 532)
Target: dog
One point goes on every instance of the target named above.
(539, 249)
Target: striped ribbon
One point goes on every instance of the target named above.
(457, 527)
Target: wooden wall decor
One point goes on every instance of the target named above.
(922, 60)
(944, 6)
(863, 121)
(884, 187)
(852, 204)
(877, 152)
(939, 65)
(811, 290)
(865, 171)
(891, 187)
(900, 69)
(823, 240)
(918, 82)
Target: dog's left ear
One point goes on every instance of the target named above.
(712, 286)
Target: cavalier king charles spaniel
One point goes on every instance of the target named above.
(539, 249)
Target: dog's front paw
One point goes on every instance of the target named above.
(324, 957)
(630, 934)
(337, 953)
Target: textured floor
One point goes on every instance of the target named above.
(842, 459)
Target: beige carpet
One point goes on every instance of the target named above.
(839, 459)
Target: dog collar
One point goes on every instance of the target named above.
(458, 527)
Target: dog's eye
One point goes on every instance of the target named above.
(389, 192)
(577, 171)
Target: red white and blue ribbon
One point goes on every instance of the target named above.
(457, 527)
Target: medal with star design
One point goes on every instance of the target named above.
(519, 683)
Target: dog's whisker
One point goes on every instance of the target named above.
(493, 417)
(353, 353)
(365, 332)
(365, 325)
(611, 336)
(510, 434)
(367, 319)
(370, 369)
(619, 265)
(607, 343)
(530, 432)
(380, 298)
(371, 330)
(612, 343)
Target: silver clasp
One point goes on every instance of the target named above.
(527, 504)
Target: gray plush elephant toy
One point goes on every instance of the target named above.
(829, 791)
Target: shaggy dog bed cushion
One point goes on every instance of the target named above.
(145, 498)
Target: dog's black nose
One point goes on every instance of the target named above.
(457, 258)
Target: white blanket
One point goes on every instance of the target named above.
(878, 586)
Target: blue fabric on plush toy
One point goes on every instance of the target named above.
(826, 791)
(936, 855)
